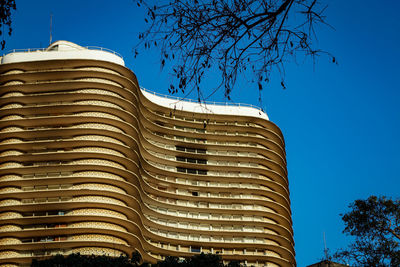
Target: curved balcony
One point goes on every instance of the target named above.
(91, 163)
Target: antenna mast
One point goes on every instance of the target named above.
(51, 25)
(325, 249)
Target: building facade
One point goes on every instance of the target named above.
(91, 163)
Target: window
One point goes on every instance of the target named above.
(195, 249)
(191, 171)
(180, 148)
(201, 151)
(191, 149)
(191, 160)
(202, 172)
(179, 169)
(181, 159)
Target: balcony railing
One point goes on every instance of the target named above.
(202, 102)
(29, 50)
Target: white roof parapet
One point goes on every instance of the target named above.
(62, 50)
(204, 107)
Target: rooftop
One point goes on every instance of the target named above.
(62, 50)
(221, 108)
(68, 50)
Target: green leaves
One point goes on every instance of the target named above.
(77, 260)
(373, 217)
(209, 260)
(375, 225)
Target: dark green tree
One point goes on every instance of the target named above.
(234, 264)
(247, 38)
(170, 261)
(78, 260)
(209, 260)
(375, 225)
(6, 7)
(212, 260)
(136, 258)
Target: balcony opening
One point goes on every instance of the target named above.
(191, 160)
(179, 169)
(201, 151)
(180, 148)
(195, 249)
(191, 171)
(181, 159)
(191, 149)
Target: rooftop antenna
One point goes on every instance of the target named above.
(51, 26)
(325, 249)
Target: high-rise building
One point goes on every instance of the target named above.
(91, 163)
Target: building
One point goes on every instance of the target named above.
(327, 263)
(91, 163)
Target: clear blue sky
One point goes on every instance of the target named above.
(341, 122)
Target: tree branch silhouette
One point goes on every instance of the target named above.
(233, 37)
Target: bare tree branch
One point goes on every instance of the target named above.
(234, 37)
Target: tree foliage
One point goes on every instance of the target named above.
(375, 225)
(202, 259)
(209, 260)
(235, 37)
(6, 7)
(78, 260)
